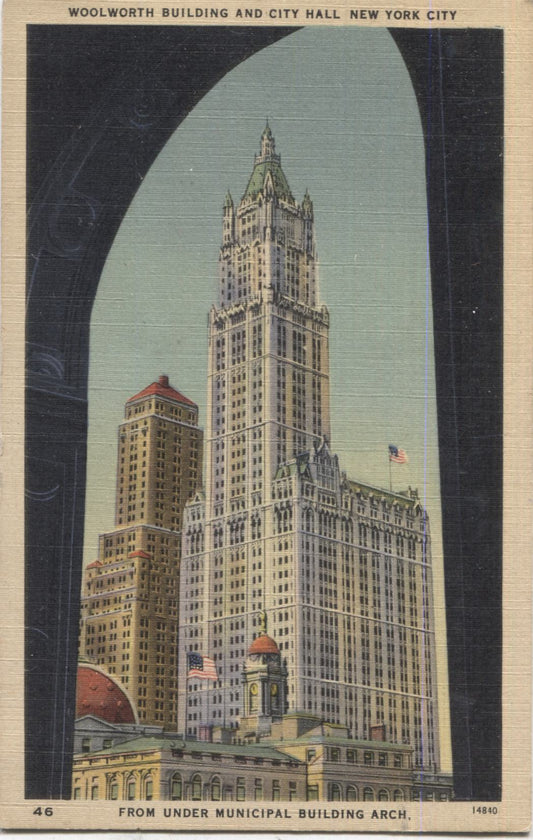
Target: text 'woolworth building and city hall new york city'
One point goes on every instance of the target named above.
(270, 635)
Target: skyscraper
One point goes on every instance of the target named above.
(341, 569)
(129, 606)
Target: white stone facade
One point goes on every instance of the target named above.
(342, 569)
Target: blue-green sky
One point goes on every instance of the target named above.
(344, 115)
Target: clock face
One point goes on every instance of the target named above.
(274, 689)
(253, 688)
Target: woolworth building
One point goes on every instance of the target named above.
(340, 570)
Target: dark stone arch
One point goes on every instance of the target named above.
(93, 133)
(457, 76)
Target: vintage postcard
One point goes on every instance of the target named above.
(266, 385)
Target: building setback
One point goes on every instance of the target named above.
(341, 569)
(129, 605)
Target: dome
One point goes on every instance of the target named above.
(263, 644)
(100, 695)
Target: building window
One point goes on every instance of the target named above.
(398, 795)
(312, 792)
(107, 743)
(334, 754)
(382, 759)
(397, 760)
(113, 790)
(176, 787)
(368, 794)
(130, 789)
(241, 789)
(86, 745)
(94, 792)
(77, 793)
(335, 793)
(369, 758)
(276, 790)
(196, 788)
(311, 754)
(292, 791)
(215, 789)
(149, 789)
(351, 793)
(258, 789)
(383, 795)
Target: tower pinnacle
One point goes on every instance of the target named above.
(268, 145)
(268, 162)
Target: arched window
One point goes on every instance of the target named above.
(351, 793)
(196, 787)
(334, 792)
(176, 786)
(113, 789)
(383, 795)
(215, 788)
(368, 794)
(398, 795)
(149, 788)
(130, 788)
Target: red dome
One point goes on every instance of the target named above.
(99, 695)
(263, 644)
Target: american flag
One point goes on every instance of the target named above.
(201, 667)
(399, 456)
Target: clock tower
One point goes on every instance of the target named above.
(264, 682)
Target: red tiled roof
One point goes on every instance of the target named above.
(94, 565)
(263, 644)
(140, 553)
(161, 388)
(100, 695)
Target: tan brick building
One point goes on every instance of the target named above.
(129, 608)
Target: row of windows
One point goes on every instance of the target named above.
(197, 790)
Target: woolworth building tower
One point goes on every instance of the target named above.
(342, 570)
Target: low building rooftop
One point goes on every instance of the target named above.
(156, 744)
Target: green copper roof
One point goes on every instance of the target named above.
(258, 176)
(154, 744)
(391, 496)
(297, 466)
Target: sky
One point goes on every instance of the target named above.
(344, 116)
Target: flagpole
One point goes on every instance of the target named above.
(209, 685)
(186, 693)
